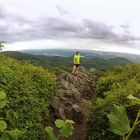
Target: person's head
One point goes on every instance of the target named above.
(77, 53)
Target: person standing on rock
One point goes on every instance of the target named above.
(76, 63)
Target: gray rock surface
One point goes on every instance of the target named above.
(75, 93)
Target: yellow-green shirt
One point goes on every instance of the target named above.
(76, 59)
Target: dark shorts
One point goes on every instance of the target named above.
(77, 65)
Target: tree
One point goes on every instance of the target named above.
(1, 45)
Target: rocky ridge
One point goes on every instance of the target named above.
(75, 98)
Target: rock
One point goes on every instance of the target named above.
(62, 113)
(69, 78)
(73, 92)
(69, 113)
(76, 108)
(55, 102)
(64, 84)
(77, 97)
(68, 94)
(78, 116)
(73, 101)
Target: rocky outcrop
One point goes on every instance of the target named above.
(75, 98)
(75, 95)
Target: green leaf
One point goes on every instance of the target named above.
(10, 135)
(1, 118)
(59, 123)
(16, 133)
(2, 95)
(4, 136)
(3, 126)
(50, 133)
(70, 122)
(66, 131)
(134, 99)
(119, 122)
(2, 104)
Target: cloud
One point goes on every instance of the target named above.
(125, 26)
(97, 30)
(103, 32)
(56, 24)
(15, 27)
(61, 10)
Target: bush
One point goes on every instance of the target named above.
(29, 90)
(113, 88)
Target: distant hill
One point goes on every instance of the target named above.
(86, 53)
(119, 61)
(54, 61)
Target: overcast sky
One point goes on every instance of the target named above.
(105, 25)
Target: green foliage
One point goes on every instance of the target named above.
(65, 129)
(50, 133)
(2, 99)
(57, 69)
(2, 95)
(119, 122)
(59, 123)
(113, 88)
(29, 90)
(134, 99)
(12, 135)
(53, 62)
(3, 126)
(6, 134)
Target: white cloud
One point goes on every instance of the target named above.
(113, 26)
(37, 44)
(72, 44)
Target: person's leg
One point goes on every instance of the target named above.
(74, 70)
(77, 69)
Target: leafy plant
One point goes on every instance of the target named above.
(6, 134)
(65, 129)
(119, 122)
(29, 90)
(2, 99)
(113, 88)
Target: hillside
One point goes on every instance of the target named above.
(55, 61)
(88, 53)
(29, 90)
(113, 88)
(36, 98)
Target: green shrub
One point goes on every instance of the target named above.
(4, 133)
(66, 129)
(120, 124)
(29, 90)
(113, 88)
